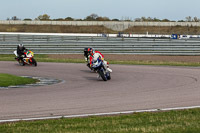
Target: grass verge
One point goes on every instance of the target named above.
(43, 58)
(8, 80)
(180, 121)
(47, 58)
(161, 63)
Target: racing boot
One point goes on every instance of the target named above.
(98, 76)
(109, 70)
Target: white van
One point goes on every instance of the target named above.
(184, 37)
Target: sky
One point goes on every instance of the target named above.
(119, 9)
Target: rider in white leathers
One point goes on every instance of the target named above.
(94, 55)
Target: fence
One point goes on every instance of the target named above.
(58, 44)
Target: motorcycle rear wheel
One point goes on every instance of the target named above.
(21, 62)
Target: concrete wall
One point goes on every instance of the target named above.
(114, 25)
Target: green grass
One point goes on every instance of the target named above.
(7, 57)
(8, 80)
(46, 58)
(43, 58)
(182, 121)
(162, 63)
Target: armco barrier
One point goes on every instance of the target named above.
(51, 44)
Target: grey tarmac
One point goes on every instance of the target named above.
(132, 87)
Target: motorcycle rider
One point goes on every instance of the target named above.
(20, 51)
(87, 56)
(94, 55)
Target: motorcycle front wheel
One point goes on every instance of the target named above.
(108, 76)
(34, 62)
(103, 76)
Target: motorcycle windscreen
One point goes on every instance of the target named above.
(29, 54)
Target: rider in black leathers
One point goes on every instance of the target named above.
(87, 56)
(20, 51)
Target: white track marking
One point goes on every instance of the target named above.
(98, 114)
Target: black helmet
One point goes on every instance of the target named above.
(91, 51)
(86, 51)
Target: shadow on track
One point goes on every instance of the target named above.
(87, 71)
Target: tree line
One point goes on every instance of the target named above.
(95, 17)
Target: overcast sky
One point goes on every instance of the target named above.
(170, 9)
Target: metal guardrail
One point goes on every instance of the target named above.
(49, 44)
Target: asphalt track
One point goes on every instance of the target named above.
(131, 88)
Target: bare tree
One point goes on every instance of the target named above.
(195, 19)
(188, 19)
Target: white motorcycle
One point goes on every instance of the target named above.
(26, 59)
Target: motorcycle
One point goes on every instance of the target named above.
(27, 58)
(99, 68)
